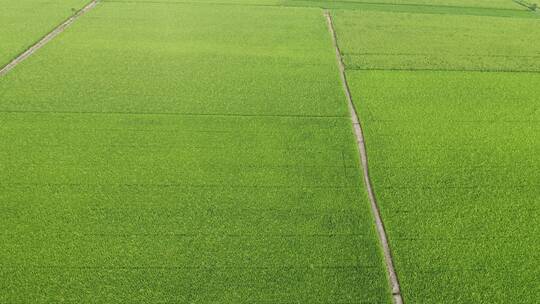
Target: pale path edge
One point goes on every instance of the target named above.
(47, 38)
(392, 276)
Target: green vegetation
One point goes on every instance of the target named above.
(383, 40)
(24, 22)
(182, 151)
(158, 153)
(168, 48)
(453, 154)
(514, 11)
(455, 166)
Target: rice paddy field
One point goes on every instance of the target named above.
(452, 131)
(203, 152)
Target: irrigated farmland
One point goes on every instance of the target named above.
(453, 154)
(184, 153)
(203, 151)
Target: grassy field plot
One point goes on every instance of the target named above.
(455, 165)
(215, 71)
(171, 153)
(24, 22)
(401, 41)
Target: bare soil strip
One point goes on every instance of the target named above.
(394, 283)
(51, 35)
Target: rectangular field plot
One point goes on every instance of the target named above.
(500, 4)
(249, 66)
(503, 8)
(158, 153)
(24, 22)
(408, 41)
(455, 164)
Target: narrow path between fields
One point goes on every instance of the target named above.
(43, 41)
(392, 276)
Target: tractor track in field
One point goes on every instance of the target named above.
(392, 276)
(47, 38)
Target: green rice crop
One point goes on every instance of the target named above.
(403, 41)
(24, 22)
(184, 154)
(166, 58)
(454, 162)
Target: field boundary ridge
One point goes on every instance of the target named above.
(392, 276)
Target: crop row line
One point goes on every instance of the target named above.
(170, 114)
(178, 185)
(182, 146)
(190, 267)
(213, 165)
(472, 121)
(487, 237)
(475, 187)
(474, 207)
(460, 166)
(439, 55)
(357, 68)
